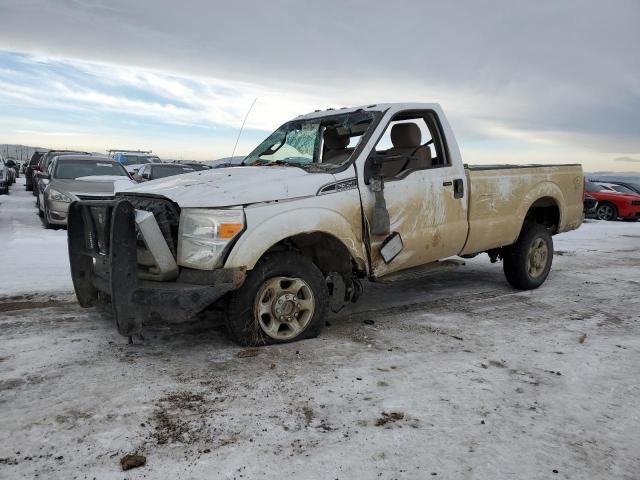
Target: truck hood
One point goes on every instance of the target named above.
(225, 187)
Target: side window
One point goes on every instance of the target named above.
(386, 143)
(411, 142)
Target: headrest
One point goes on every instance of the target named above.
(333, 141)
(406, 135)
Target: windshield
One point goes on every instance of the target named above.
(594, 187)
(622, 189)
(71, 169)
(324, 142)
(136, 159)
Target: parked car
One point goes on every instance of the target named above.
(133, 160)
(590, 205)
(32, 165)
(78, 177)
(43, 167)
(11, 171)
(613, 204)
(13, 165)
(153, 171)
(326, 200)
(4, 177)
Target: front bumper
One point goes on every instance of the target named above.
(57, 212)
(103, 245)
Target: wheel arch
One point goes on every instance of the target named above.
(543, 204)
(318, 233)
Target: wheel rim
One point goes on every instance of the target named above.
(537, 257)
(284, 307)
(605, 212)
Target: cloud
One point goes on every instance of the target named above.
(46, 133)
(527, 73)
(627, 159)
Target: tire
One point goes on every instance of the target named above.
(4, 191)
(283, 282)
(45, 219)
(527, 262)
(606, 211)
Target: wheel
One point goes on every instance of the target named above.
(45, 219)
(4, 191)
(527, 262)
(606, 211)
(283, 299)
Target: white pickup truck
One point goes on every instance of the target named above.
(327, 200)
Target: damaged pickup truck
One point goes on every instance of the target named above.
(329, 199)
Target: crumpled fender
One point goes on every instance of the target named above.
(266, 227)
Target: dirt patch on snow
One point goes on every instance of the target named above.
(20, 303)
(179, 417)
(390, 417)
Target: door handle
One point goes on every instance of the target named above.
(447, 183)
(458, 188)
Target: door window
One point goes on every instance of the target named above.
(410, 142)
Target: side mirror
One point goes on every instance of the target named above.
(145, 176)
(374, 177)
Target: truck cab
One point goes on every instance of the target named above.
(327, 200)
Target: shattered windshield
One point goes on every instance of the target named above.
(323, 143)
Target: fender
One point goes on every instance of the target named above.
(268, 225)
(541, 190)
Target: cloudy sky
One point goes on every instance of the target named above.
(521, 81)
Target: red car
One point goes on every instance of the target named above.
(612, 205)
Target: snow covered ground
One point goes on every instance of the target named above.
(448, 374)
(33, 259)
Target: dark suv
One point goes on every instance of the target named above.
(31, 165)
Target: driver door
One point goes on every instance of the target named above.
(425, 196)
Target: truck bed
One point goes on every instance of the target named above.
(509, 167)
(501, 195)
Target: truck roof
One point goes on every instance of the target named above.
(376, 107)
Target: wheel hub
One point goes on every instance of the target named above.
(286, 307)
(538, 257)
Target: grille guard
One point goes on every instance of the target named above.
(103, 258)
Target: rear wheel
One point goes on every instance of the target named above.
(527, 263)
(283, 299)
(606, 211)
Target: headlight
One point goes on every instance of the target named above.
(204, 233)
(56, 196)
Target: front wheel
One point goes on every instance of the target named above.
(283, 299)
(527, 263)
